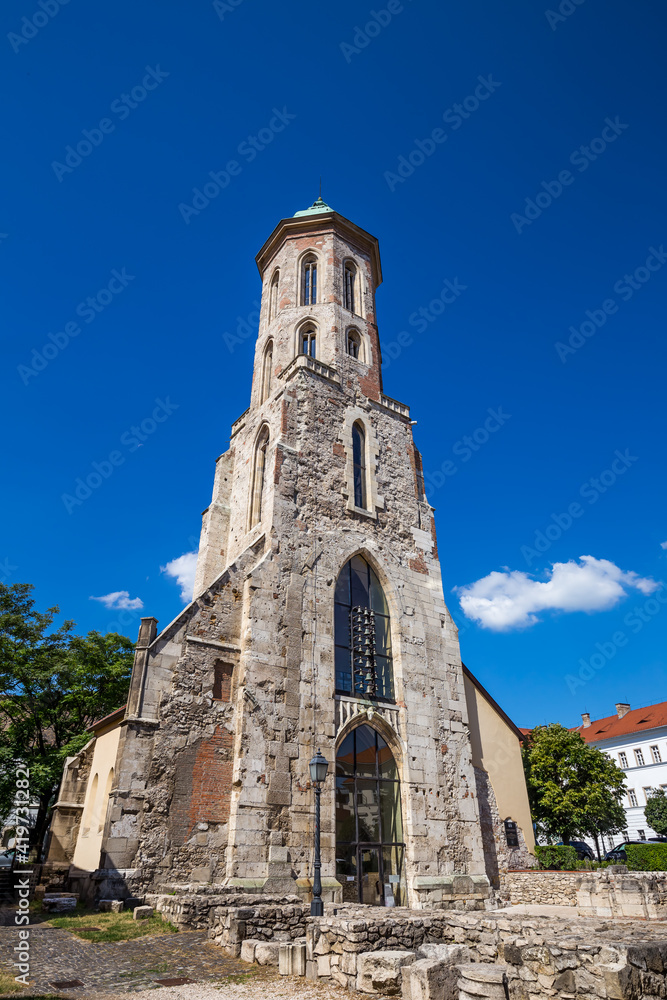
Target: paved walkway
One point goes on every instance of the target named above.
(117, 967)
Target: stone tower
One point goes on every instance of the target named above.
(318, 620)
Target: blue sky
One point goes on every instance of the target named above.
(531, 251)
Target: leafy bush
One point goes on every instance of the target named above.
(646, 857)
(559, 859)
(656, 810)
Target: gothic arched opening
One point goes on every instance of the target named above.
(362, 634)
(369, 826)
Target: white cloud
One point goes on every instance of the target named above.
(120, 600)
(182, 570)
(513, 599)
(663, 545)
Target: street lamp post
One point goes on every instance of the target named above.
(319, 766)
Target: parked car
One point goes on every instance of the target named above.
(657, 840)
(584, 852)
(7, 858)
(618, 853)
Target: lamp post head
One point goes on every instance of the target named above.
(319, 766)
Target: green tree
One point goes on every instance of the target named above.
(53, 684)
(656, 811)
(573, 788)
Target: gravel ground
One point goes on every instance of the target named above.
(271, 987)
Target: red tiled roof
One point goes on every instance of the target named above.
(111, 717)
(638, 720)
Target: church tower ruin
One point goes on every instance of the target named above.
(318, 620)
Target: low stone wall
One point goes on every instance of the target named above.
(277, 923)
(545, 956)
(453, 892)
(201, 909)
(539, 888)
(606, 893)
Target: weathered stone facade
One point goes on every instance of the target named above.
(229, 702)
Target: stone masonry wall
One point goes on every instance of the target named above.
(543, 888)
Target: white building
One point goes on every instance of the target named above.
(636, 740)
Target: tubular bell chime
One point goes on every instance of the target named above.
(363, 650)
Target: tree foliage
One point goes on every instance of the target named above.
(656, 811)
(53, 684)
(573, 788)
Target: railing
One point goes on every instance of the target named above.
(317, 367)
(393, 404)
(349, 708)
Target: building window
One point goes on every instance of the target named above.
(639, 757)
(657, 759)
(362, 634)
(267, 368)
(309, 281)
(648, 792)
(308, 342)
(273, 296)
(259, 467)
(222, 681)
(369, 826)
(359, 461)
(632, 796)
(350, 291)
(623, 759)
(353, 344)
(641, 834)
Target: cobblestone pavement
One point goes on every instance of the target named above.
(112, 968)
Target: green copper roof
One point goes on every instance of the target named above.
(317, 208)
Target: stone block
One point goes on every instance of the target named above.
(132, 901)
(449, 954)
(482, 980)
(117, 905)
(248, 950)
(104, 905)
(430, 979)
(142, 913)
(380, 971)
(59, 902)
(323, 966)
(267, 952)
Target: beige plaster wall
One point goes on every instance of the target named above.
(89, 840)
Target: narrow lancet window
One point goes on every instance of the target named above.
(359, 460)
(309, 342)
(259, 468)
(350, 277)
(309, 295)
(273, 297)
(267, 366)
(353, 344)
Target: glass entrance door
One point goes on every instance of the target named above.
(369, 828)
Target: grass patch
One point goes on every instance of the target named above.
(9, 985)
(112, 926)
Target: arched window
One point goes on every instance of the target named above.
(90, 807)
(350, 286)
(309, 280)
(267, 366)
(362, 634)
(369, 827)
(273, 296)
(258, 476)
(308, 341)
(105, 802)
(353, 344)
(359, 461)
